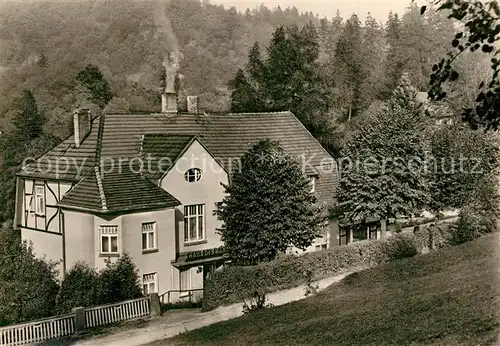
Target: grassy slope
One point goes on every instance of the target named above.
(449, 297)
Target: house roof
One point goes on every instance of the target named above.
(66, 161)
(117, 191)
(162, 150)
(226, 136)
(436, 109)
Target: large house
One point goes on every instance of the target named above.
(148, 185)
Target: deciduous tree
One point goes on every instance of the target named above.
(480, 29)
(269, 206)
(387, 153)
(98, 87)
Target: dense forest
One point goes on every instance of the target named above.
(46, 46)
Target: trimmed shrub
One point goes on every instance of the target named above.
(433, 236)
(237, 283)
(471, 225)
(401, 246)
(80, 287)
(119, 281)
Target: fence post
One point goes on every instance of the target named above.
(79, 318)
(155, 306)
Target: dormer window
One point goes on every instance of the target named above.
(192, 175)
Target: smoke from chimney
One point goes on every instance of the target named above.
(164, 27)
(169, 95)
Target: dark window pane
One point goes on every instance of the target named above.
(360, 233)
(114, 244)
(151, 244)
(144, 241)
(105, 244)
(192, 228)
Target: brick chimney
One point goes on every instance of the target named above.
(169, 95)
(82, 125)
(192, 104)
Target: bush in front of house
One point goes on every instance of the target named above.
(401, 245)
(237, 283)
(28, 285)
(80, 287)
(119, 281)
(85, 286)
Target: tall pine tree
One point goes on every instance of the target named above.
(29, 120)
(393, 64)
(373, 51)
(243, 96)
(349, 72)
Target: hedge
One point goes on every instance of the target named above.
(235, 283)
(434, 236)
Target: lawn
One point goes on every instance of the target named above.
(448, 297)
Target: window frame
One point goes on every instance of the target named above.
(373, 228)
(188, 218)
(346, 235)
(358, 228)
(321, 243)
(147, 283)
(147, 232)
(39, 198)
(109, 236)
(193, 175)
(30, 201)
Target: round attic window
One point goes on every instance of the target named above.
(192, 175)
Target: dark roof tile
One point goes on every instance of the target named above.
(226, 136)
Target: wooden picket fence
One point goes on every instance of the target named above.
(113, 313)
(40, 330)
(66, 325)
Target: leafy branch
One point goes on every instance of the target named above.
(480, 31)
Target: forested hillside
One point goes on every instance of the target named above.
(46, 45)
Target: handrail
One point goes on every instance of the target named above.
(168, 293)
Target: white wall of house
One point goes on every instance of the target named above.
(84, 243)
(207, 191)
(45, 245)
(79, 237)
(156, 261)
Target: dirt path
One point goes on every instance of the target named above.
(176, 322)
